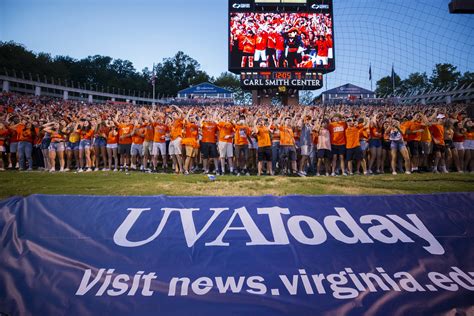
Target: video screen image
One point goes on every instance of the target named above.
(281, 41)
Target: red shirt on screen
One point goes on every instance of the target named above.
(322, 48)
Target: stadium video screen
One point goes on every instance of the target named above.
(281, 41)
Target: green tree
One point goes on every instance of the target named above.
(444, 75)
(467, 78)
(385, 85)
(415, 82)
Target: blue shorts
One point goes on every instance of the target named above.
(397, 144)
(13, 147)
(375, 143)
(100, 142)
(72, 146)
(85, 143)
(354, 153)
(338, 149)
(45, 143)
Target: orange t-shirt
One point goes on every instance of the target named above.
(241, 133)
(437, 133)
(225, 129)
(177, 129)
(137, 138)
(275, 135)
(86, 134)
(56, 137)
(337, 132)
(469, 135)
(191, 132)
(363, 132)
(426, 135)
(263, 137)
(125, 129)
(286, 136)
(3, 135)
(112, 137)
(415, 126)
(352, 137)
(24, 135)
(375, 132)
(160, 131)
(149, 132)
(209, 130)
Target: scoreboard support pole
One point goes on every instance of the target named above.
(261, 97)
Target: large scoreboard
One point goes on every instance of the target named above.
(289, 40)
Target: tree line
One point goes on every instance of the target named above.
(104, 73)
(443, 75)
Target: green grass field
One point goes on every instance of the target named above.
(136, 183)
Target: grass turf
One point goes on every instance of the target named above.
(136, 183)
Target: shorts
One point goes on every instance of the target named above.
(100, 142)
(85, 144)
(209, 150)
(449, 143)
(45, 143)
(72, 146)
(191, 151)
(322, 59)
(239, 149)
(264, 153)
(375, 143)
(386, 145)
(364, 145)
(124, 149)
(439, 148)
(324, 153)
(13, 147)
(225, 150)
(56, 146)
(426, 148)
(354, 153)
(338, 149)
(305, 150)
(136, 149)
(175, 147)
(459, 145)
(288, 152)
(397, 145)
(159, 149)
(415, 148)
(112, 146)
(147, 147)
(469, 144)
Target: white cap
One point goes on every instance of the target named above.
(440, 116)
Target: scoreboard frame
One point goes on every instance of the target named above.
(311, 6)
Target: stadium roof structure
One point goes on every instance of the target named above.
(348, 89)
(205, 90)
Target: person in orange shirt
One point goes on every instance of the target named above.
(353, 149)
(208, 143)
(125, 128)
(468, 145)
(58, 133)
(25, 134)
(190, 141)
(112, 146)
(148, 142)
(439, 148)
(242, 136)
(375, 143)
(100, 144)
(86, 132)
(138, 137)
(161, 131)
(337, 129)
(264, 146)
(176, 136)
(3, 137)
(287, 146)
(414, 132)
(226, 135)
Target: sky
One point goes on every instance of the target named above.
(413, 35)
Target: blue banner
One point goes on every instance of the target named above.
(294, 255)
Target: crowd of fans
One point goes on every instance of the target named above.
(57, 135)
